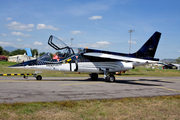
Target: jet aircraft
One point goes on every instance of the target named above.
(92, 60)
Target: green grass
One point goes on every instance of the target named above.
(164, 107)
(148, 72)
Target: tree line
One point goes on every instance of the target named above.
(18, 52)
(178, 60)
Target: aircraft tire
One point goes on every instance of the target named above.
(110, 78)
(39, 77)
(94, 76)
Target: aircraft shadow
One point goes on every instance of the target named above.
(128, 82)
(155, 80)
(134, 82)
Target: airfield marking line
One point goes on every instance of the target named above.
(27, 81)
(118, 78)
(162, 87)
(137, 82)
(172, 80)
(16, 81)
(163, 80)
(168, 88)
(80, 83)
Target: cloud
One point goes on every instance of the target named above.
(75, 32)
(95, 17)
(132, 42)
(101, 44)
(5, 43)
(48, 48)
(43, 26)
(20, 34)
(8, 18)
(178, 50)
(3, 34)
(19, 40)
(27, 45)
(85, 9)
(37, 43)
(18, 26)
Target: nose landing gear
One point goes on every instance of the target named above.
(38, 77)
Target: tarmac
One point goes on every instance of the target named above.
(18, 89)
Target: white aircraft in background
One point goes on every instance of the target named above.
(92, 60)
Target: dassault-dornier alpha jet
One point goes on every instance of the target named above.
(92, 60)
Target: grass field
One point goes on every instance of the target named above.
(163, 107)
(158, 108)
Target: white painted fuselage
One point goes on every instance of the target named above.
(93, 67)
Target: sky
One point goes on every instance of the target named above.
(98, 24)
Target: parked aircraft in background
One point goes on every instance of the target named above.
(92, 60)
(177, 66)
(170, 66)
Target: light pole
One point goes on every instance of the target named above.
(71, 41)
(130, 31)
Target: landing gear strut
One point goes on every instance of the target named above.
(108, 78)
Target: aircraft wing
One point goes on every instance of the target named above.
(102, 56)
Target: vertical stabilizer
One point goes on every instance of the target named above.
(148, 50)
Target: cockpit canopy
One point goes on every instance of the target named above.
(63, 51)
(56, 43)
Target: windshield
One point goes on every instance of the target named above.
(56, 43)
(63, 51)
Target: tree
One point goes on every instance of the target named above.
(41, 53)
(18, 52)
(1, 50)
(178, 60)
(5, 52)
(34, 52)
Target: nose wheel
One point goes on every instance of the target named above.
(38, 77)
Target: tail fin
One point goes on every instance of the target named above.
(148, 50)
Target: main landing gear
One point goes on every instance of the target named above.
(108, 78)
(94, 76)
